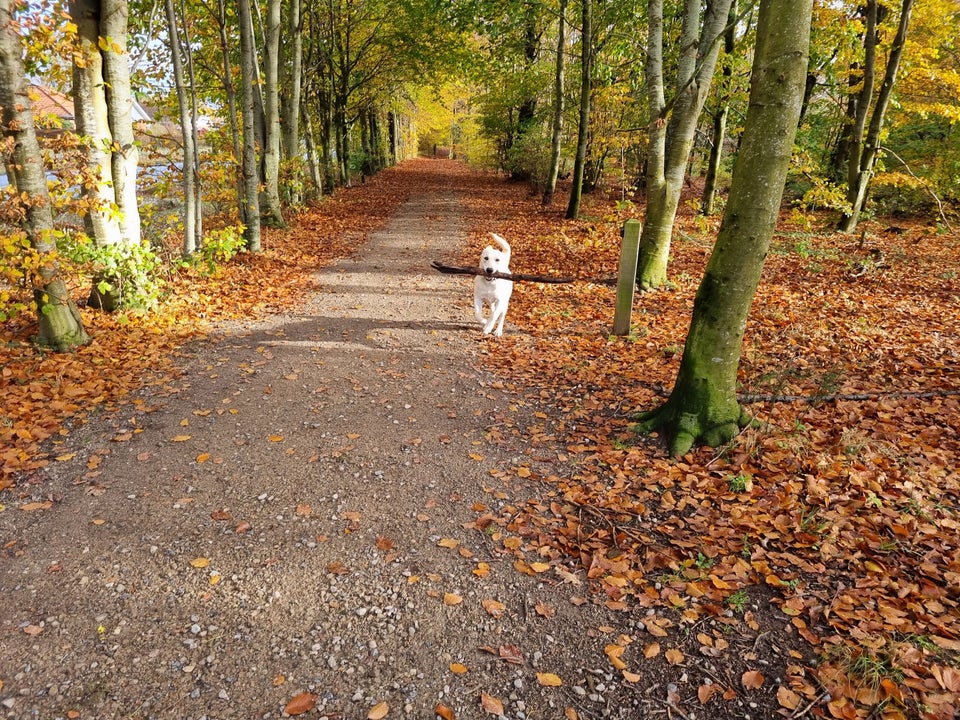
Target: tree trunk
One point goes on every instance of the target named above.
(673, 125)
(126, 156)
(60, 326)
(92, 124)
(231, 95)
(720, 117)
(190, 209)
(291, 118)
(586, 61)
(247, 103)
(703, 405)
(270, 209)
(861, 174)
(550, 185)
(313, 159)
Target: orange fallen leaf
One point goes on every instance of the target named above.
(458, 668)
(275, 438)
(448, 543)
(674, 656)
(787, 698)
(481, 570)
(549, 680)
(452, 599)
(300, 704)
(491, 704)
(444, 712)
(752, 679)
(203, 457)
(200, 562)
(705, 692)
(279, 680)
(631, 677)
(494, 607)
(33, 506)
(180, 438)
(378, 711)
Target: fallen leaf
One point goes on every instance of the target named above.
(200, 562)
(34, 506)
(448, 543)
(179, 438)
(304, 510)
(491, 704)
(444, 712)
(651, 650)
(452, 599)
(279, 680)
(752, 679)
(674, 656)
(549, 680)
(631, 677)
(511, 654)
(378, 711)
(458, 668)
(494, 607)
(705, 692)
(300, 704)
(544, 610)
(787, 698)
(275, 438)
(481, 570)
(33, 630)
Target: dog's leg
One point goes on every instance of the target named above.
(478, 310)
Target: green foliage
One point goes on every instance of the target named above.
(218, 248)
(130, 272)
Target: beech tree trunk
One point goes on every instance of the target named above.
(251, 200)
(863, 155)
(586, 61)
(270, 209)
(191, 210)
(60, 326)
(703, 405)
(126, 156)
(292, 101)
(673, 124)
(93, 124)
(720, 118)
(550, 186)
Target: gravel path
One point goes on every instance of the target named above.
(295, 518)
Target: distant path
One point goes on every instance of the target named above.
(292, 519)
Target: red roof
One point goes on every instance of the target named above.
(47, 101)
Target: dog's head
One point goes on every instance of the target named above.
(493, 260)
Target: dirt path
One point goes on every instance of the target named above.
(291, 519)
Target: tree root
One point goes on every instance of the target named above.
(684, 429)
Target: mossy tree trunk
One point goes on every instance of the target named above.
(703, 406)
(673, 122)
(59, 322)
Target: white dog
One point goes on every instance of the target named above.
(492, 291)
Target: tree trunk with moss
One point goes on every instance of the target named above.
(703, 406)
(673, 123)
(59, 322)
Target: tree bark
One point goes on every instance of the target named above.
(59, 323)
(231, 95)
(190, 209)
(720, 118)
(550, 185)
(586, 70)
(672, 126)
(292, 103)
(703, 405)
(126, 156)
(92, 124)
(861, 173)
(270, 209)
(247, 104)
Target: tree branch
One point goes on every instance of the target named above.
(450, 270)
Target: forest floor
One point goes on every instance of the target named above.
(310, 486)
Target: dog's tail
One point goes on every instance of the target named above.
(504, 245)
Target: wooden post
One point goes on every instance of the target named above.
(627, 279)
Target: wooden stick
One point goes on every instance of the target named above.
(450, 270)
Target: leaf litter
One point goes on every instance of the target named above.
(840, 511)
